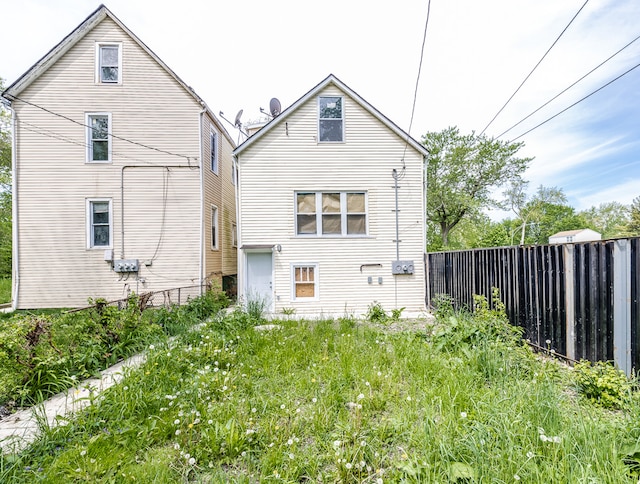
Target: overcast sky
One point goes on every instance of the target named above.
(239, 54)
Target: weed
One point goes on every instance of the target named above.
(376, 313)
(602, 383)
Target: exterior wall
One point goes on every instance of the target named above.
(586, 235)
(162, 206)
(288, 159)
(219, 192)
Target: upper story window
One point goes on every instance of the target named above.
(213, 144)
(98, 137)
(331, 213)
(109, 63)
(214, 227)
(330, 119)
(99, 223)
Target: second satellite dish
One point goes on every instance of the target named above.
(237, 122)
(274, 107)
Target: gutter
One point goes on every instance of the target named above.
(15, 261)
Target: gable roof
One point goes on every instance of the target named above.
(331, 80)
(97, 16)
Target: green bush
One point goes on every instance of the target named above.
(602, 383)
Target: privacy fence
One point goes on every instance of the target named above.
(581, 300)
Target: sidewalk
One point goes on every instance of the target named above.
(20, 429)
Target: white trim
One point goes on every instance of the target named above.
(89, 137)
(234, 234)
(215, 223)
(89, 221)
(316, 279)
(98, 78)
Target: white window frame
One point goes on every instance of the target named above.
(90, 224)
(88, 118)
(343, 213)
(234, 234)
(215, 226)
(213, 150)
(341, 119)
(99, 46)
(316, 280)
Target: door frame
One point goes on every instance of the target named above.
(271, 306)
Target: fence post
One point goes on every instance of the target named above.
(569, 298)
(622, 305)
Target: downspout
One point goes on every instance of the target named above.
(239, 255)
(15, 261)
(201, 269)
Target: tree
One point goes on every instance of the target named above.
(5, 190)
(463, 172)
(530, 210)
(632, 228)
(609, 218)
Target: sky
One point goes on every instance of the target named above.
(240, 54)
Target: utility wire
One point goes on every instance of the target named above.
(566, 89)
(415, 91)
(577, 102)
(534, 68)
(188, 158)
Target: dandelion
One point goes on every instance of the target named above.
(209, 421)
(367, 384)
(516, 477)
(297, 410)
(291, 456)
(83, 453)
(254, 410)
(151, 347)
(314, 399)
(178, 432)
(176, 446)
(348, 465)
(192, 461)
(463, 414)
(363, 444)
(336, 443)
(290, 442)
(283, 406)
(176, 421)
(361, 396)
(408, 398)
(530, 455)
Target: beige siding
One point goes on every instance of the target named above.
(288, 159)
(219, 192)
(162, 206)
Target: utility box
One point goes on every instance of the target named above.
(402, 267)
(125, 265)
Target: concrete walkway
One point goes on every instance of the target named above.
(20, 429)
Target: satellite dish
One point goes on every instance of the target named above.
(274, 107)
(237, 122)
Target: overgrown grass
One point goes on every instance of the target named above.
(5, 290)
(329, 401)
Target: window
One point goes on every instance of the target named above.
(108, 63)
(234, 235)
(99, 223)
(330, 119)
(99, 137)
(331, 213)
(214, 227)
(305, 281)
(214, 151)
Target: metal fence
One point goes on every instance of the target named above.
(581, 300)
(164, 298)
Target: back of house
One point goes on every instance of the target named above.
(331, 204)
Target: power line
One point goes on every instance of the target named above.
(577, 102)
(534, 68)
(142, 145)
(415, 91)
(566, 89)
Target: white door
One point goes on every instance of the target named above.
(259, 287)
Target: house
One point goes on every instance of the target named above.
(123, 176)
(571, 236)
(331, 209)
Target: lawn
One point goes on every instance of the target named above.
(5, 290)
(340, 401)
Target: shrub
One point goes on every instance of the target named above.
(602, 383)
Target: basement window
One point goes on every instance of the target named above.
(305, 281)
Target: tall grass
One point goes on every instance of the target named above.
(328, 401)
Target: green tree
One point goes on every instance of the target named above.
(530, 210)
(632, 229)
(5, 190)
(610, 219)
(463, 172)
(555, 218)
